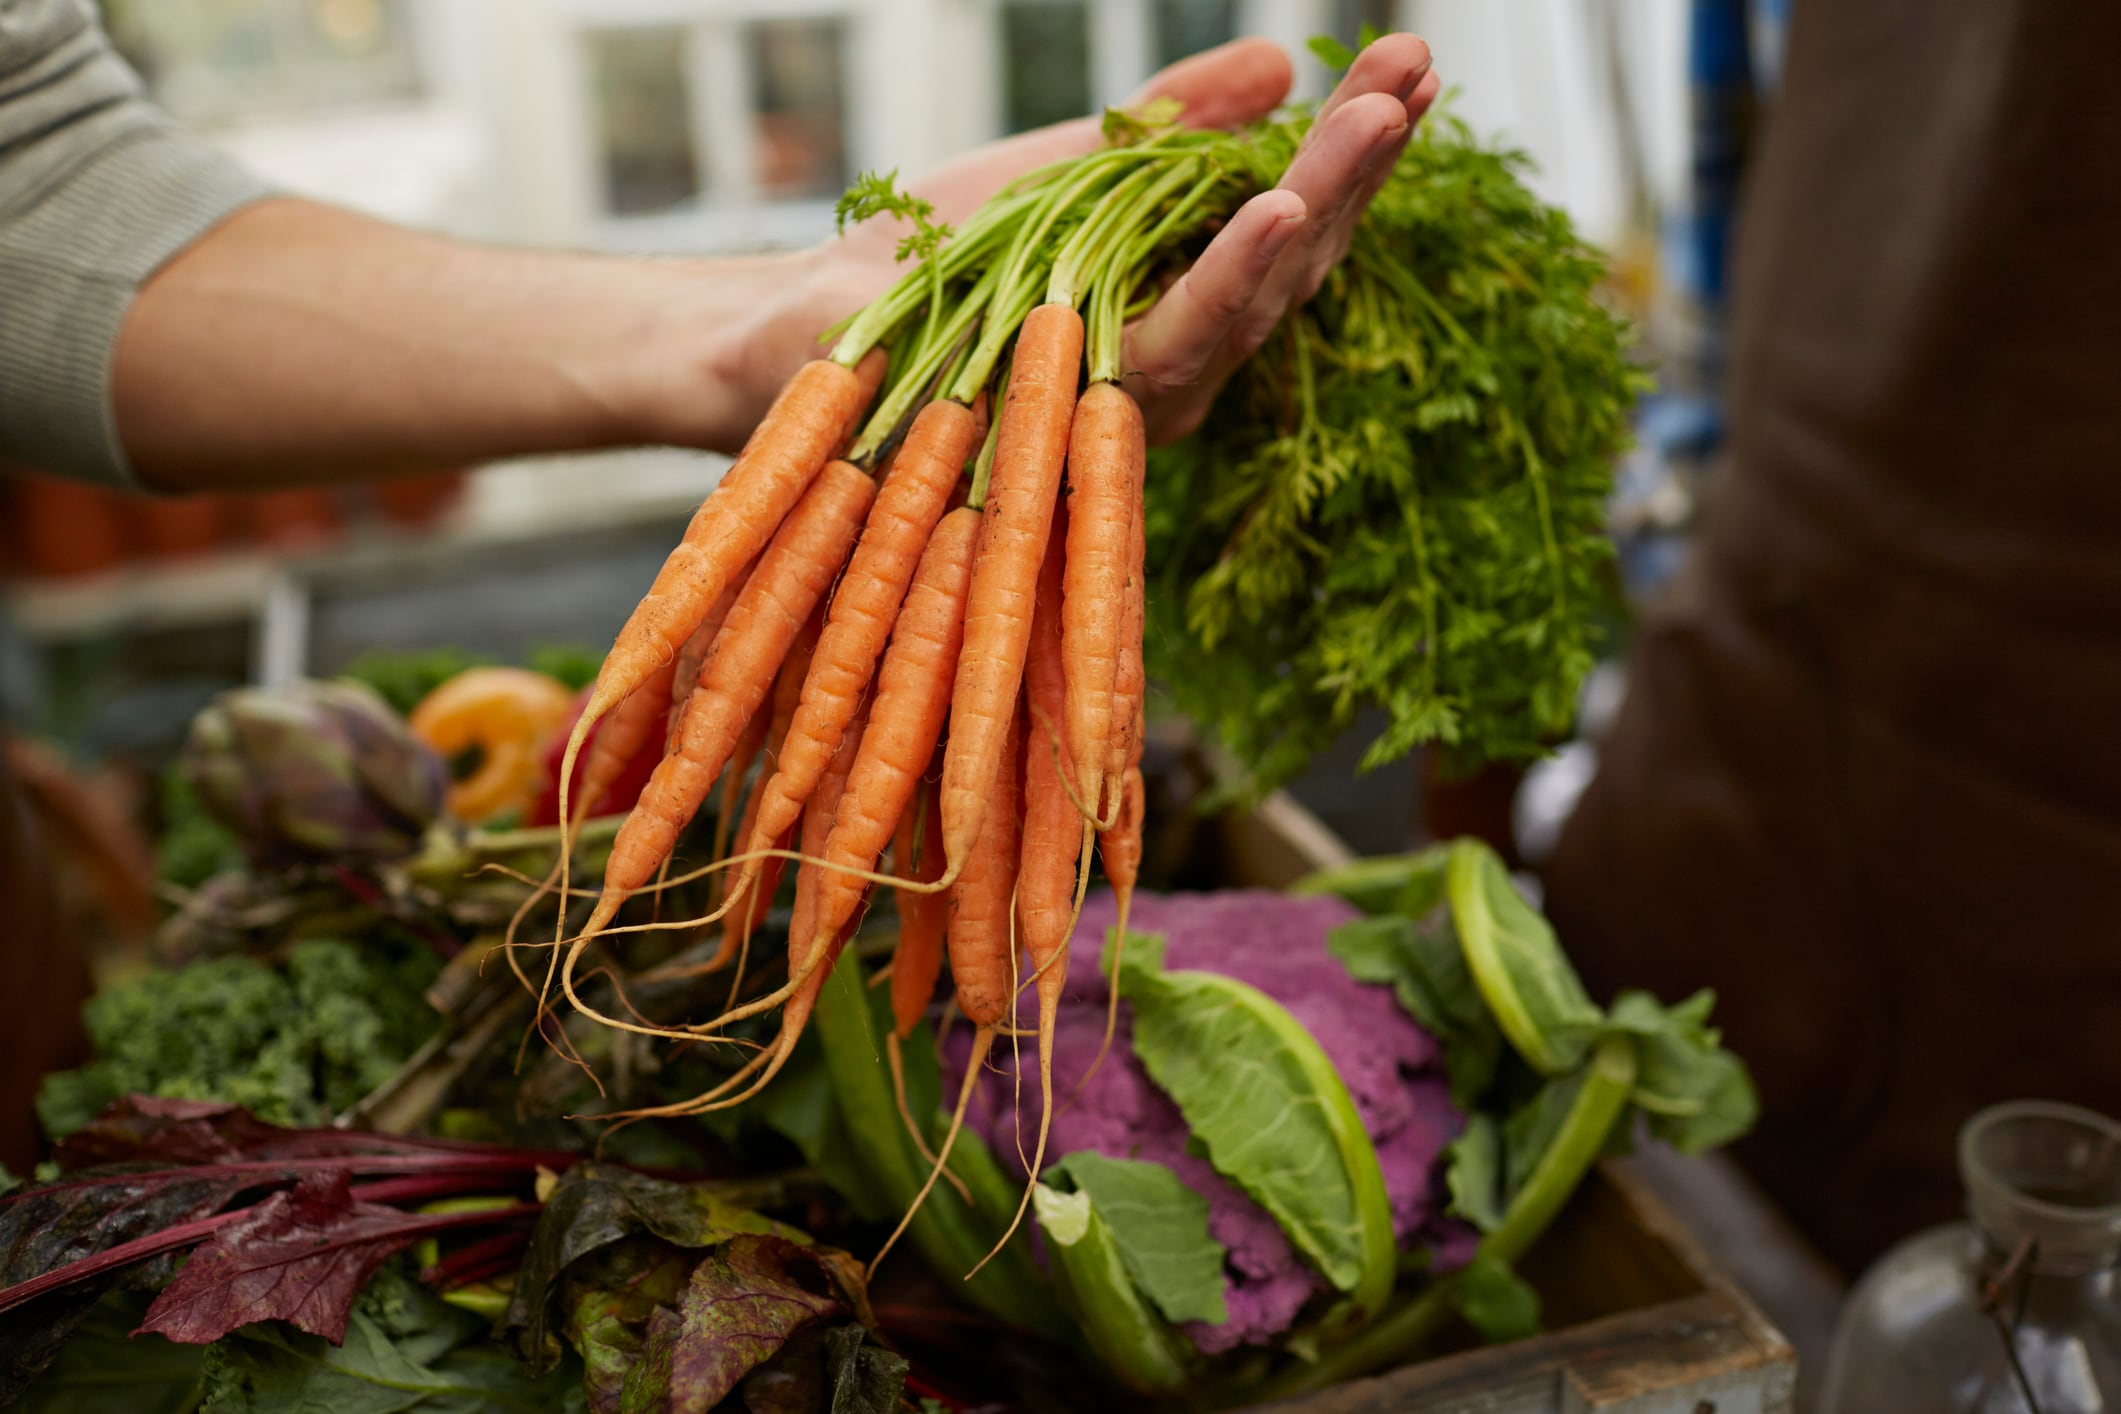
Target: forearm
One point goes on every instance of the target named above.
(300, 342)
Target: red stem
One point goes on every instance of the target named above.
(500, 1248)
(501, 1163)
(111, 1258)
(473, 1275)
(185, 1234)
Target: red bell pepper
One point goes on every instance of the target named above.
(624, 791)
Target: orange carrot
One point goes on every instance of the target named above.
(1129, 685)
(620, 739)
(783, 456)
(1121, 846)
(908, 505)
(1031, 448)
(808, 973)
(1107, 454)
(917, 961)
(793, 574)
(982, 959)
(817, 826)
(1055, 834)
(912, 698)
(813, 414)
(922, 916)
(809, 967)
(982, 950)
(685, 668)
(746, 755)
(738, 926)
(1052, 826)
(1121, 849)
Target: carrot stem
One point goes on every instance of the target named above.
(983, 469)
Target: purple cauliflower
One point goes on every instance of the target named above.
(1391, 1066)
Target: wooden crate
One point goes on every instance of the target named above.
(1639, 1319)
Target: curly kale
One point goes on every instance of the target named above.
(1400, 501)
(294, 1044)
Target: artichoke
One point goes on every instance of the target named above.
(314, 772)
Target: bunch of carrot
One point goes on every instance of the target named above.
(890, 603)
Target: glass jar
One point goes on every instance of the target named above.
(2013, 1312)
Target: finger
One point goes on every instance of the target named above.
(1328, 174)
(1425, 95)
(1225, 86)
(1341, 232)
(1419, 104)
(1172, 344)
(1222, 87)
(1396, 64)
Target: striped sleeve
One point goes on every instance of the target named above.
(97, 191)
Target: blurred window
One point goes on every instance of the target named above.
(799, 109)
(1349, 17)
(643, 113)
(1188, 26)
(210, 61)
(1045, 62)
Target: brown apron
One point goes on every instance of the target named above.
(44, 977)
(1867, 780)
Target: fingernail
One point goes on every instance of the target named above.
(1385, 149)
(1280, 234)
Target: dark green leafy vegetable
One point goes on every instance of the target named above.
(292, 1045)
(1160, 1227)
(1400, 503)
(405, 1350)
(863, 1377)
(104, 1369)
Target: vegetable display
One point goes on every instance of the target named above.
(1399, 504)
(646, 1145)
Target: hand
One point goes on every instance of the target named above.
(1273, 253)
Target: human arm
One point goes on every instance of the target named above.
(296, 341)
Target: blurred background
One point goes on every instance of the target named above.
(700, 126)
